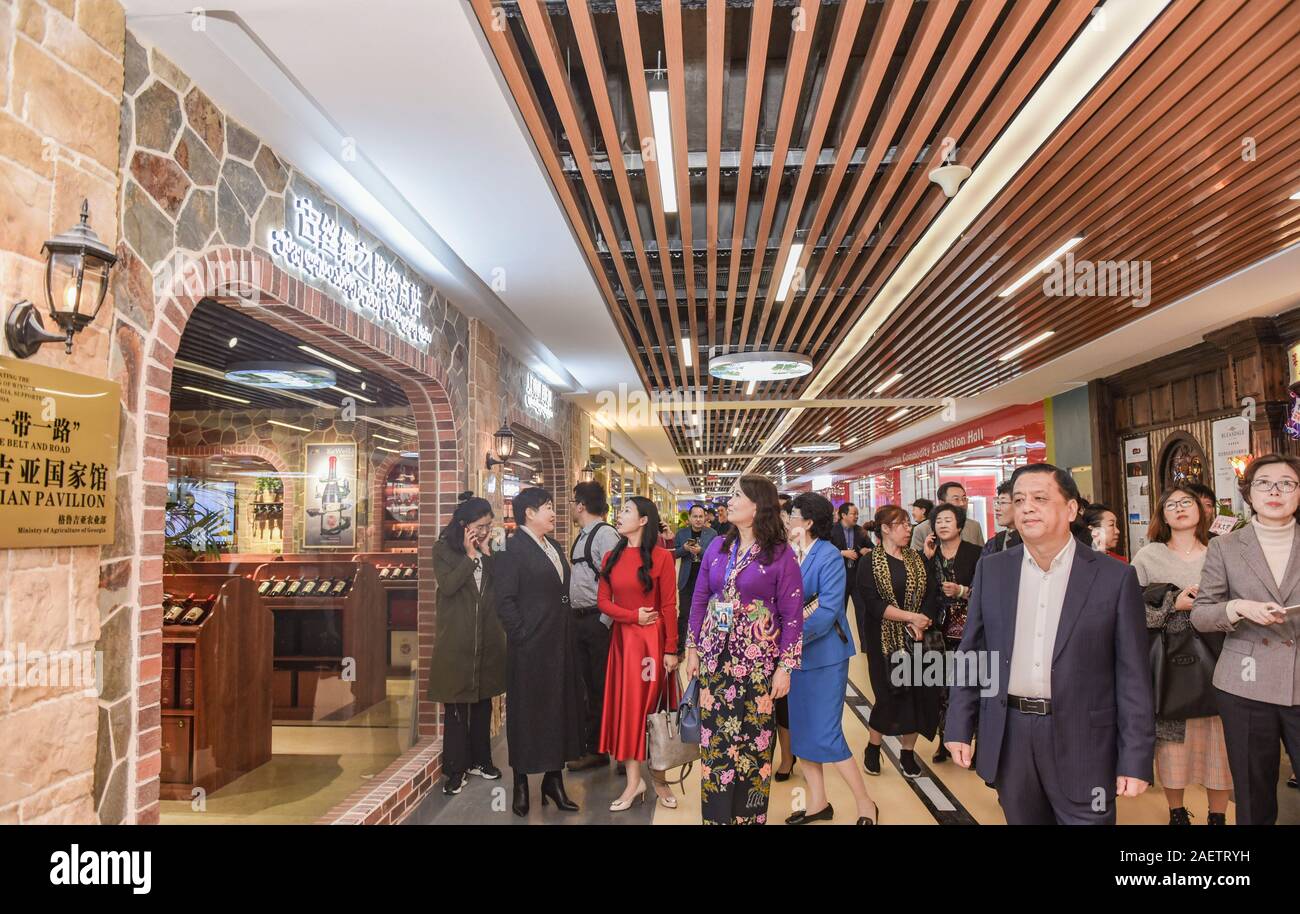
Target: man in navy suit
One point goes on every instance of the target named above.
(1071, 721)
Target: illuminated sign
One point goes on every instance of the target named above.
(325, 252)
(538, 398)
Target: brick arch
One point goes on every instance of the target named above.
(143, 358)
(554, 475)
(377, 498)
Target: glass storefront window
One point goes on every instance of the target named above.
(290, 579)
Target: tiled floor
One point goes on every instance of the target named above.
(900, 801)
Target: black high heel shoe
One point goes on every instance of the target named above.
(785, 775)
(520, 806)
(553, 790)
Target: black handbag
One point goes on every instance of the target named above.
(1182, 666)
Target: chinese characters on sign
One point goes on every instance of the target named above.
(58, 456)
(325, 252)
(538, 398)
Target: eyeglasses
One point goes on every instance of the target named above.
(1181, 505)
(1285, 486)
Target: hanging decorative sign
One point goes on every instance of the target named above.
(323, 251)
(58, 456)
(538, 398)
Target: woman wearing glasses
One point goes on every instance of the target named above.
(469, 651)
(1250, 576)
(1169, 569)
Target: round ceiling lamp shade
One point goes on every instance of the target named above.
(281, 375)
(759, 366)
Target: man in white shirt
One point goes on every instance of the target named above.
(1070, 721)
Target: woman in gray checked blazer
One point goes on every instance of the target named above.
(1250, 576)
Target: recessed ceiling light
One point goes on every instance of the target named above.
(234, 341)
(735, 431)
(897, 414)
(852, 441)
(385, 438)
(885, 385)
(825, 428)
(698, 444)
(1025, 345)
(810, 447)
(688, 359)
(749, 388)
(729, 450)
(662, 122)
(380, 447)
(759, 366)
(1042, 265)
(1296, 195)
(213, 393)
(296, 428)
(329, 358)
(787, 275)
(533, 445)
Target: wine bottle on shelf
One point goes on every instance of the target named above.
(408, 571)
(385, 571)
(294, 586)
(342, 586)
(278, 589)
(265, 587)
(172, 609)
(200, 609)
(308, 588)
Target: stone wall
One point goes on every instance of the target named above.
(200, 197)
(61, 63)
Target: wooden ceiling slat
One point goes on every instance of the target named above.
(791, 93)
(716, 74)
(1046, 197)
(521, 88)
(537, 23)
(759, 32)
(631, 33)
(681, 151)
(585, 33)
(971, 34)
(884, 39)
(1063, 25)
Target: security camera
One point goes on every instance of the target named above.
(949, 177)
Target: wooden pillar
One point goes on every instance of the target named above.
(1258, 372)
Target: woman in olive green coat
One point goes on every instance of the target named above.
(469, 650)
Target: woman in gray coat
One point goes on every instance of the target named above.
(469, 650)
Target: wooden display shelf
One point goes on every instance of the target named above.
(401, 599)
(308, 684)
(216, 685)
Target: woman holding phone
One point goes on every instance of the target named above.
(1251, 575)
(469, 650)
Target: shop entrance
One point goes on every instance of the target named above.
(537, 461)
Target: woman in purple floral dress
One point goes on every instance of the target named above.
(744, 640)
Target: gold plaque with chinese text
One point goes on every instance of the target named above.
(58, 456)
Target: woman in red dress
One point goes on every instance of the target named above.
(638, 590)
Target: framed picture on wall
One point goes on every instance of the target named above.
(330, 499)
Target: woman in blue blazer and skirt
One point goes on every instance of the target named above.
(817, 687)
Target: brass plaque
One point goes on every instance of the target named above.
(58, 456)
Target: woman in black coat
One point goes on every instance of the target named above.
(469, 650)
(544, 698)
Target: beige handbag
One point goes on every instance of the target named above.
(664, 747)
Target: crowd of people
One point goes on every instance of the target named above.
(1085, 695)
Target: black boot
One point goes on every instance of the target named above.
(553, 790)
(520, 805)
(1217, 818)
(1180, 816)
(871, 759)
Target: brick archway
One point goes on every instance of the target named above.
(554, 475)
(142, 359)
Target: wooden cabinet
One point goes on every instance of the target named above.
(401, 605)
(329, 652)
(216, 686)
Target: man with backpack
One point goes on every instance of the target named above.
(595, 539)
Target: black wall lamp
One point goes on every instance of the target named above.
(503, 446)
(77, 265)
